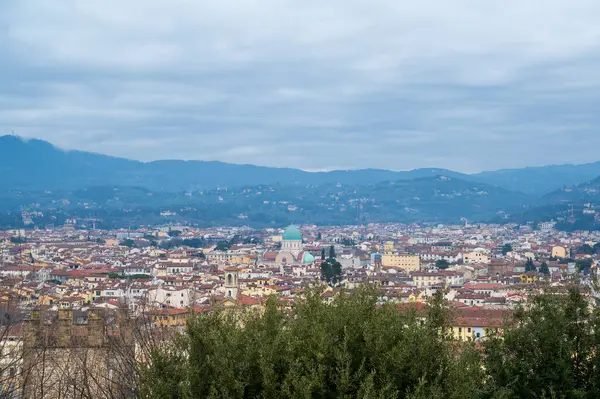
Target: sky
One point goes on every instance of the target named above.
(467, 85)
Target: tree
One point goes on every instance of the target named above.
(319, 236)
(193, 242)
(544, 268)
(18, 240)
(223, 246)
(585, 249)
(351, 348)
(128, 243)
(547, 350)
(584, 265)
(331, 252)
(529, 266)
(174, 233)
(442, 264)
(506, 248)
(331, 271)
(322, 253)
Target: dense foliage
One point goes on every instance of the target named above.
(355, 348)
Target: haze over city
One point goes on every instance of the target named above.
(463, 85)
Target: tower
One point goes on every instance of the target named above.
(231, 282)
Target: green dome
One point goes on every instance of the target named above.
(291, 233)
(308, 258)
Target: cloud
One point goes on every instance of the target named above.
(308, 84)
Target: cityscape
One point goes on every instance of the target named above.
(265, 199)
(161, 275)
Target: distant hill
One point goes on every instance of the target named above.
(577, 194)
(428, 199)
(540, 180)
(37, 165)
(573, 207)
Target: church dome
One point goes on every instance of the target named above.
(291, 233)
(308, 258)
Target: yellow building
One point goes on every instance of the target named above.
(406, 262)
(471, 324)
(559, 252)
(476, 256)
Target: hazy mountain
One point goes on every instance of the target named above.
(37, 165)
(540, 180)
(433, 199)
(573, 207)
(578, 194)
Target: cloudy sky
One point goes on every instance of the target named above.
(463, 84)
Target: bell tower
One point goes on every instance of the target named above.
(231, 282)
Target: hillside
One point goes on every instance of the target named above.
(431, 199)
(580, 193)
(37, 175)
(37, 165)
(540, 180)
(573, 208)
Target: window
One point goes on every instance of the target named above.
(459, 329)
(469, 329)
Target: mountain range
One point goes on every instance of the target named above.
(38, 165)
(75, 184)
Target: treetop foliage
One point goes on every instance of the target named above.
(355, 347)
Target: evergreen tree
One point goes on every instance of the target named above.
(585, 249)
(548, 350)
(442, 264)
(331, 252)
(355, 347)
(529, 266)
(127, 243)
(331, 271)
(351, 348)
(544, 268)
(322, 253)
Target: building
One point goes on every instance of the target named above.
(291, 246)
(403, 261)
(169, 297)
(560, 252)
(476, 256)
(442, 278)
